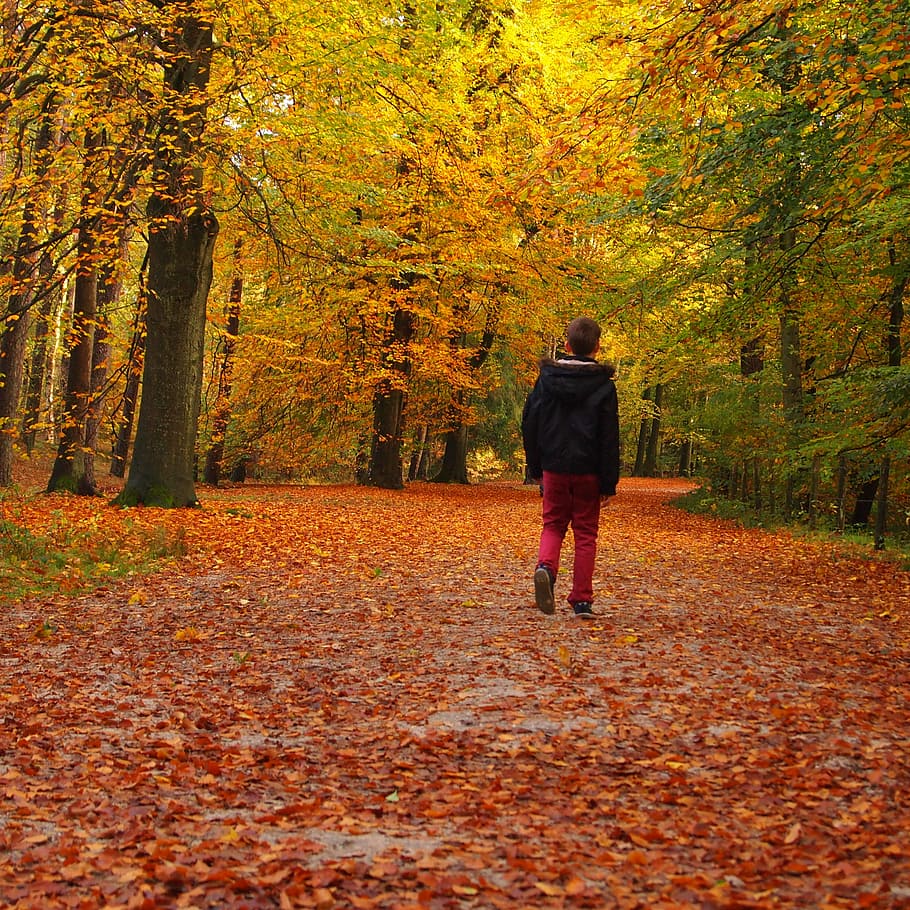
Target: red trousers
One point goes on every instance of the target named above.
(571, 499)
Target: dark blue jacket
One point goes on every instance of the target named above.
(570, 423)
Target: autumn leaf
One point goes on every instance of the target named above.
(248, 734)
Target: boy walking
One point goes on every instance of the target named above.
(570, 428)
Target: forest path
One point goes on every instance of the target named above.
(345, 697)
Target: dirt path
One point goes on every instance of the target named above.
(345, 698)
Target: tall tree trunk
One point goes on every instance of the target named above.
(454, 467)
(791, 370)
(39, 370)
(684, 468)
(214, 457)
(110, 292)
(881, 512)
(134, 364)
(752, 364)
(841, 492)
(418, 456)
(895, 358)
(101, 352)
(643, 427)
(68, 470)
(790, 356)
(386, 469)
(16, 321)
(868, 490)
(865, 499)
(182, 233)
(896, 307)
(650, 469)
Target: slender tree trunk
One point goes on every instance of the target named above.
(684, 468)
(182, 233)
(418, 456)
(41, 370)
(39, 374)
(423, 465)
(101, 350)
(895, 358)
(896, 308)
(215, 455)
(868, 490)
(17, 319)
(791, 372)
(638, 470)
(12, 354)
(134, 364)
(110, 291)
(650, 468)
(67, 474)
(791, 368)
(841, 492)
(813, 491)
(881, 512)
(454, 468)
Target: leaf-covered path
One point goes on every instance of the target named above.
(345, 698)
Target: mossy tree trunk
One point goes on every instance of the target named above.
(182, 233)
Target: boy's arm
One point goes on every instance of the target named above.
(529, 422)
(609, 444)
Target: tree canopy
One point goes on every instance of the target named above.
(368, 222)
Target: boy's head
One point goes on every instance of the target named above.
(583, 337)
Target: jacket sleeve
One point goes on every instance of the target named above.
(609, 443)
(529, 426)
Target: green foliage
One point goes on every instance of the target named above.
(703, 501)
(851, 542)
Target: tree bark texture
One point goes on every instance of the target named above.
(68, 473)
(134, 364)
(652, 452)
(182, 234)
(214, 457)
(180, 275)
(386, 468)
(454, 468)
(39, 369)
(643, 426)
(17, 318)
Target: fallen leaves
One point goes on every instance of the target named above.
(274, 722)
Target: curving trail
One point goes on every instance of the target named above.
(345, 698)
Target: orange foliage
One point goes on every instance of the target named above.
(344, 697)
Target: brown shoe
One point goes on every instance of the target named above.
(543, 591)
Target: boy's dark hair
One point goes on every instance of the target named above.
(583, 335)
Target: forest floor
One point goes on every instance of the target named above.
(345, 697)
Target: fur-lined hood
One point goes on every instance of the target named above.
(574, 378)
